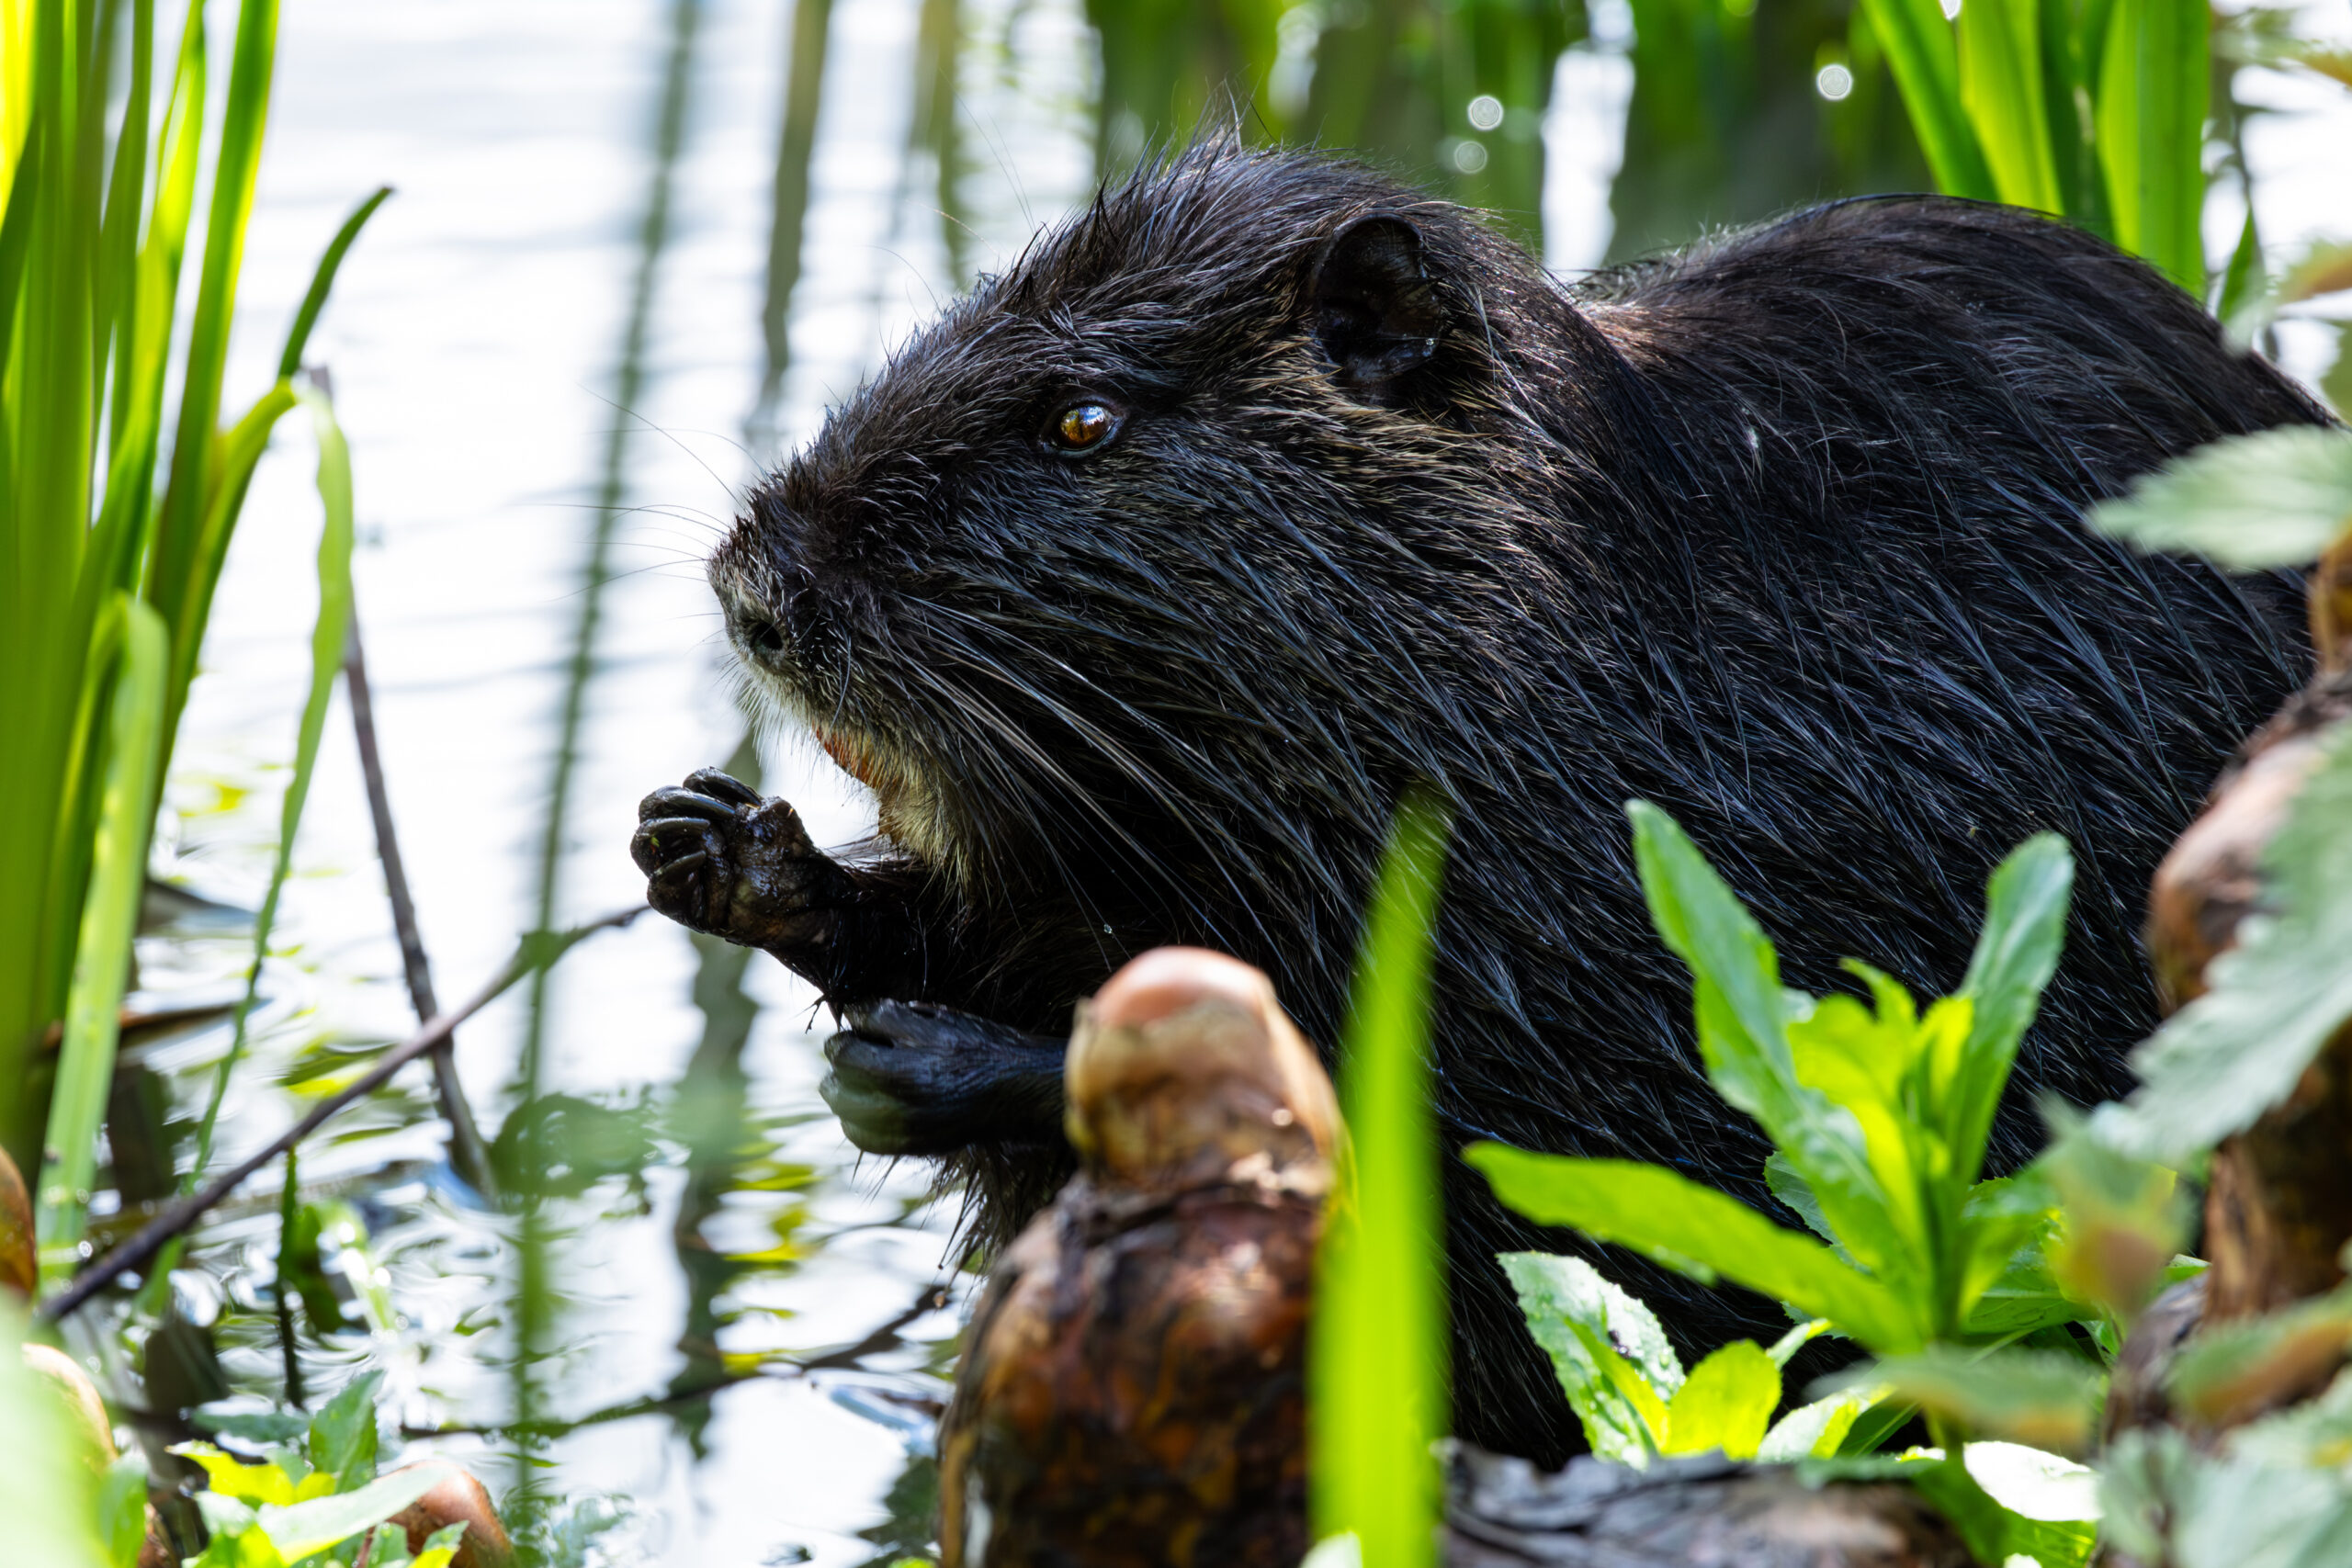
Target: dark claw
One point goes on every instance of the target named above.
(671, 804)
(723, 786)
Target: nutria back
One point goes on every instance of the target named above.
(1143, 583)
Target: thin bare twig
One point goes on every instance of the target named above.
(467, 1154)
(537, 950)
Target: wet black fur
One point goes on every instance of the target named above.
(1782, 533)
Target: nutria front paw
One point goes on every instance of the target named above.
(914, 1078)
(720, 860)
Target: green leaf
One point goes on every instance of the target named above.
(2033, 1482)
(1725, 1403)
(231, 1477)
(2001, 87)
(1743, 1017)
(2154, 82)
(2276, 498)
(2016, 952)
(122, 1510)
(1560, 1296)
(1699, 1231)
(1377, 1359)
(311, 1527)
(2273, 1000)
(343, 1433)
(133, 645)
(2232, 1366)
(1992, 1532)
(1919, 49)
(1815, 1430)
(1797, 1338)
(2046, 1399)
(2245, 286)
(440, 1547)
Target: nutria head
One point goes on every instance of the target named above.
(1164, 529)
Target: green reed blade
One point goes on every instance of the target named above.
(1377, 1346)
(327, 634)
(2001, 88)
(174, 584)
(2155, 78)
(298, 337)
(118, 237)
(109, 920)
(1921, 53)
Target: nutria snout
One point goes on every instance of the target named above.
(1141, 584)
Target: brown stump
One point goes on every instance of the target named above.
(1131, 1384)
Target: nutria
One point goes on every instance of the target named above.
(1141, 584)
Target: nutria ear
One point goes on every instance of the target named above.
(1371, 305)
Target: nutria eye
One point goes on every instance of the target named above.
(1082, 427)
(764, 638)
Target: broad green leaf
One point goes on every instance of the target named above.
(2273, 1000)
(1993, 1533)
(1377, 1359)
(1744, 1017)
(1641, 1410)
(2033, 1482)
(2016, 952)
(2166, 1501)
(440, 1547)
(2229, 1367)
(1815, 1430)
(2122, 1222)
(1561, 1294)
(238, 1539)
(2043, 1398)
(1699, 1231)
(343, 1433)
(1726, 1403)
(2273, 499)
(230, 1477)
(388, 1548)
(311, 1527)
(47, 1491)
(2001, 87)
(123, 1509)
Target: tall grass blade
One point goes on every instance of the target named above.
(2155, 81)
(1920, 51)
(327, 637)
(109, 920)
(298, 336)
(1377, 1349)
(2002, 89)
(176, 583)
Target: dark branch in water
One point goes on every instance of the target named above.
(537, 951)
(467, 1154)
